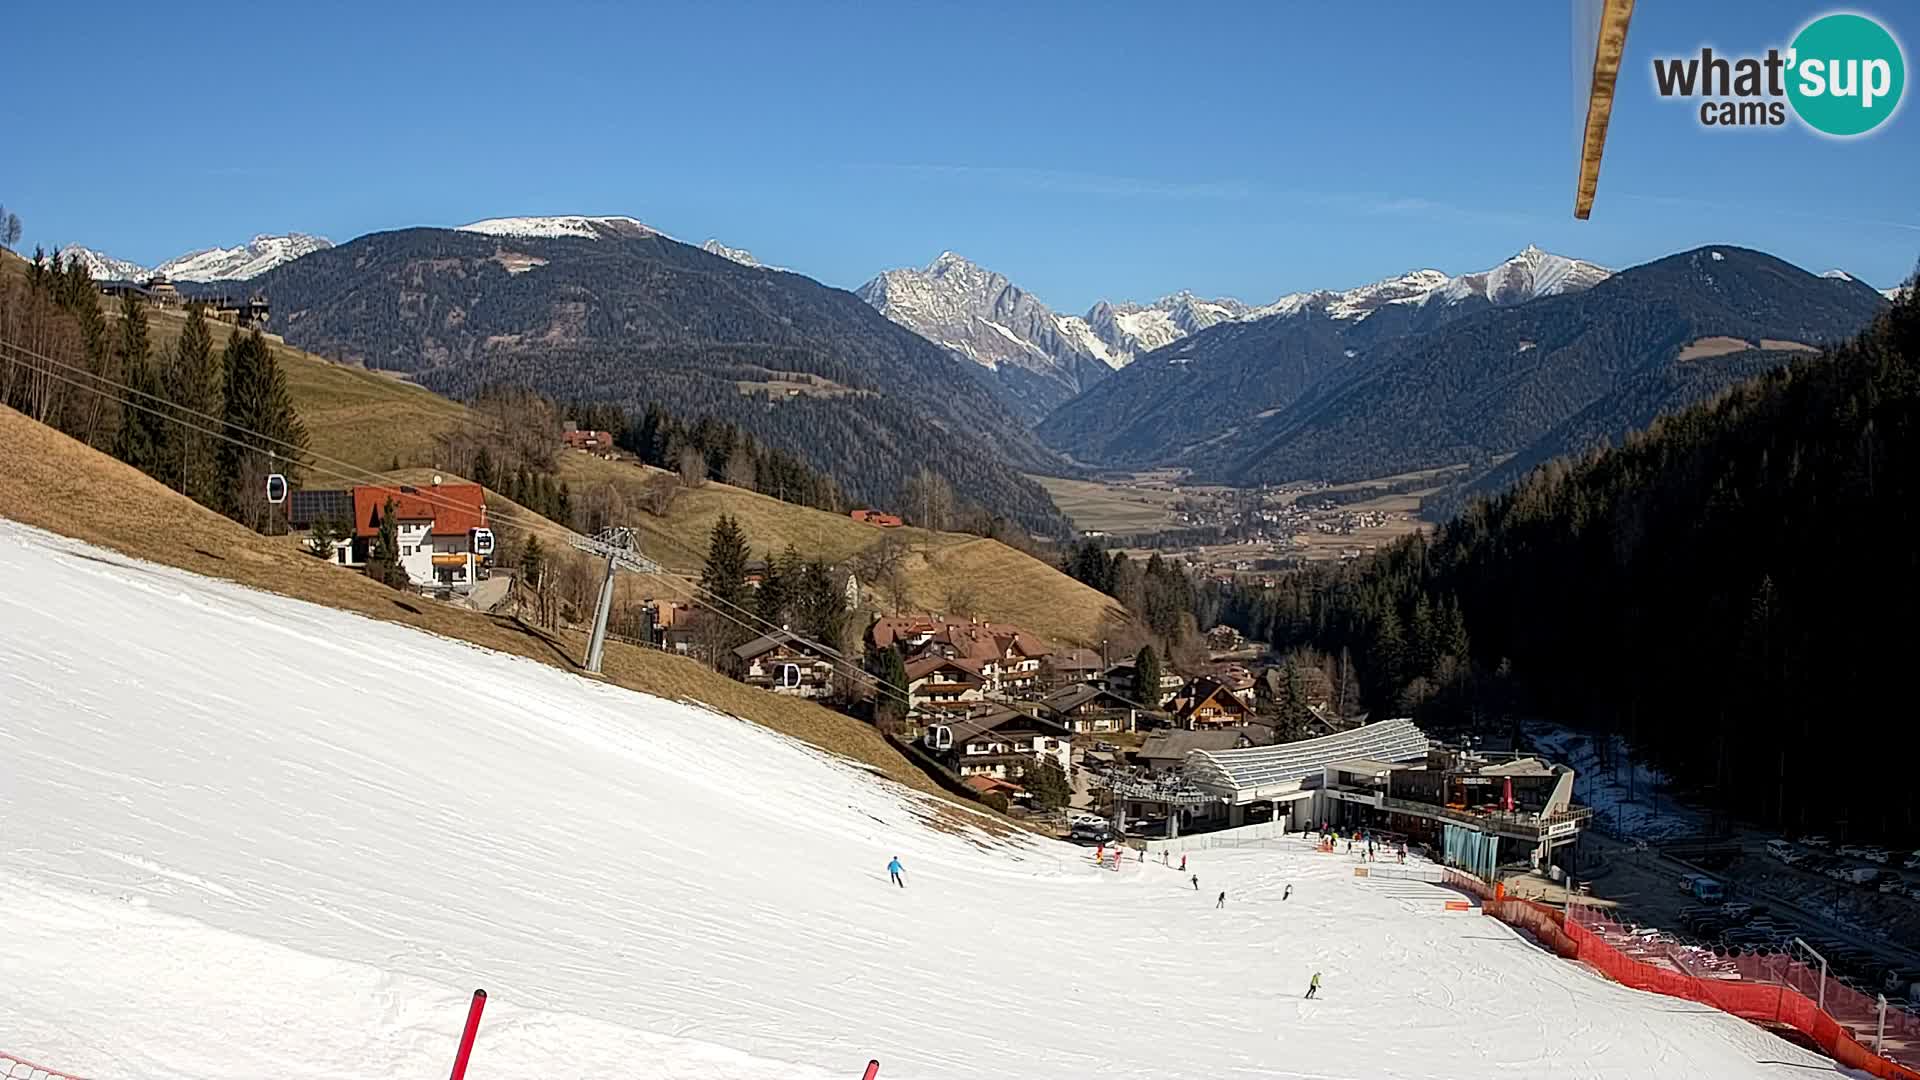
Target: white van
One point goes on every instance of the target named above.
(1779, 849)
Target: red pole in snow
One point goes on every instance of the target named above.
(466, 1037)
(873, 1070)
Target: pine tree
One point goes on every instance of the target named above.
(142, 435)
(1047, 784)
(723, 578)
(1387, 656)
(1292, 717)
(890, 704)
(321, 539)
(483, 469)
(266, 432)
(775, 597)
(193, 382)
(1146, 676)
(383, 559)
(821, 604)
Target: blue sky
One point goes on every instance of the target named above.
(1087, 151)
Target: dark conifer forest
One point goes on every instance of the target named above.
(1731, 589)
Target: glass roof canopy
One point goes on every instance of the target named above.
(1265, 766)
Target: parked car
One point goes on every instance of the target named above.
(1876, 855)
(1816, 841)
(1850, 851)
(1737, 911)
(1912, 863)
(1779, 849)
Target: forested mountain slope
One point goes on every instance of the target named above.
(1496, 382)
(613, 311)
(1727, 589)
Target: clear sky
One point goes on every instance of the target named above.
(1120, 150)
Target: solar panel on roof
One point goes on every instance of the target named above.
(1389, 740)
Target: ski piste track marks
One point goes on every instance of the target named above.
(389, 819)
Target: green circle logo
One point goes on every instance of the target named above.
(1846, 74)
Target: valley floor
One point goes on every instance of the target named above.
(248, 836)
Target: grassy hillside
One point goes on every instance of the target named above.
(60, 485)
(373, 420)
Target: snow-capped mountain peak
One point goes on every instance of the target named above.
(1531, 274)
(248, 260)
(104, 267)
(733, 254)
(576, 225)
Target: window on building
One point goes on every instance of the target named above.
(406, 549)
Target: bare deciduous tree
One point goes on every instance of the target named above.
(693, 467)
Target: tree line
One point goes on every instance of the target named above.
(211, 425)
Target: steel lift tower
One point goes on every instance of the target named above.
(621, 549)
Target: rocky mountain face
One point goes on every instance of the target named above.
(1039, 359)
(240, 263)
(1029, 356)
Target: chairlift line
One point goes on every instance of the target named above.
(359, 475)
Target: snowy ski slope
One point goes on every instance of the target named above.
(244, 836)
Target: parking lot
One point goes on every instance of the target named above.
(1866, 936)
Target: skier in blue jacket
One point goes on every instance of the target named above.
(894, 870)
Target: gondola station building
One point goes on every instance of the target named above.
(1481, 814)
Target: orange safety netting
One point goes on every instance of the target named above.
(1766, 988)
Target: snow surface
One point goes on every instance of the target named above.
(247, 836)
(1624, 793)
(590, 228)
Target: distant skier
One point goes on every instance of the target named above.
(1286, 892)
(894, 870)
(1183, 864)
(1196, 883)
(1314, 986)
(1222, 902)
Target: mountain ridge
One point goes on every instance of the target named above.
(615, 311)
(242, 262)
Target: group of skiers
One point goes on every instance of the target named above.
(1358, 836)
(896, 873)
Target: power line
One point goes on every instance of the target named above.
(531, 524)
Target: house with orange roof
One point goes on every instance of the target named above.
(436, 529)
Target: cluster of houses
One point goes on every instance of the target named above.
(586, 440)
(157, 291)
(442, 533)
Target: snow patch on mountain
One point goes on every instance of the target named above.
(248, 260)
(1838, 275)
(734, 254)
(104, 267)
(575, 225)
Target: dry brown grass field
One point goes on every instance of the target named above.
(60, 485)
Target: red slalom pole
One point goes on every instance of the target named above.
(873, 1070)
(466, 1037)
